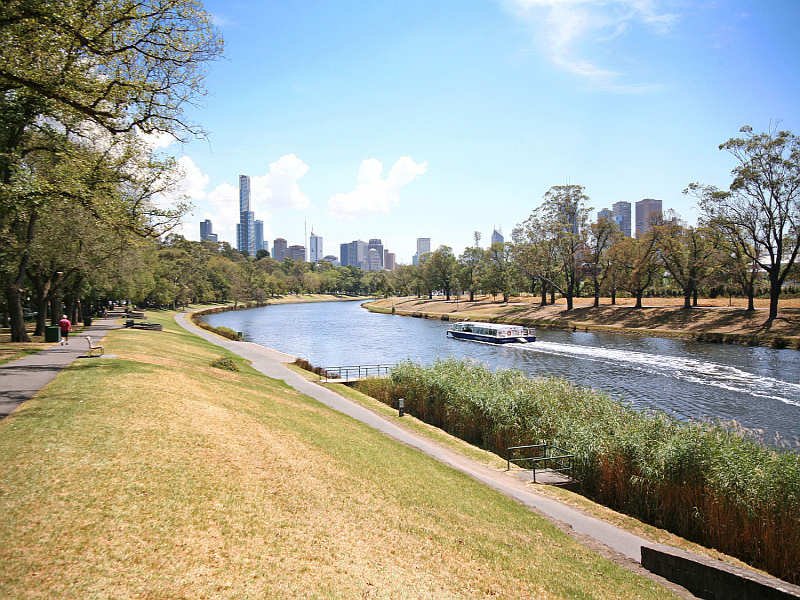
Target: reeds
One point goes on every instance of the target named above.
(702, 481)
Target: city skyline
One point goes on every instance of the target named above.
(380, 119)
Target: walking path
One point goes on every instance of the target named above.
(21, 379)
(607, 538)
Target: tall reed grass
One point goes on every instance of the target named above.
(698, 480)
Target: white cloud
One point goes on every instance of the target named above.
(569, 29)
(279, 188)
(375, 193)
(156, 140)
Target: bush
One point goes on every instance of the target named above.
(225, 363)
(701, 481)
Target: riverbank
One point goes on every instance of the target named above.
(711, 321)
(156, 474)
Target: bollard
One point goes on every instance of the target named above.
(401, 407)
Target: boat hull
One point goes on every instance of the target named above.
(478, 337)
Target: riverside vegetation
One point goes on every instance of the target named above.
(155, 474)
(701, 481)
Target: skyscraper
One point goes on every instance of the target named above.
(207, 232)
(606, 214)
(388, 260)
(423, 248)
(354, 254)
(648, 211)
(622, 216)
(296, 253)
(259, 235)
(497, 237)
(279, 247)
(315, 246)
(375, 263)
(245, 229)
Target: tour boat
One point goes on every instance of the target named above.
(492, 332)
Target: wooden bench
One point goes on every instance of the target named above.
(93, 346)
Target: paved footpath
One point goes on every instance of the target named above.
(600, 535)
(21, 379)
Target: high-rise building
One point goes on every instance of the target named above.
(605, 214)
(423, 248)
(207, 232)
(296, 253)
(497, 237)
(354, 254)
(315, 247)
(331, 259)
(279, 247)
(258, 230)
(375, 263)
(245, 229)
(388, 260)
(648, 211)
(622, 216)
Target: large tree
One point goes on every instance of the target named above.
(688, 253)
(760, 210)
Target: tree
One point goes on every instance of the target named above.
(635, 264)
(602, 236)
(497, 272)
(688, 255)
(760, 211)
(467, 268)
(442, 268)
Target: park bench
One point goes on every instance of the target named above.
(93, 346)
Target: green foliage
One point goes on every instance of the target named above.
(225, 363)
(701, 481)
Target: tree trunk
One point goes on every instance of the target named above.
(14, 299)
(447, 294)
(552, 295)
(544, 294)
(472, 295)
(569, 301)
(687, 299)
(774, 294)
(613, 296)
(751, 304)
(41, 308)
(694, 297)
(596, 293)
(639, 299)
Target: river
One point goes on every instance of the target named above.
(759, 388)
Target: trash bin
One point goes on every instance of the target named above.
(52, 333)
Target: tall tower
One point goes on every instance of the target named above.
(258, 235)
(375, 261)
(279, 249)
(648, 211)
(315, 247)
(207, 231)
(497, 237)
(245, 230)
(622, 216)
(423, 248)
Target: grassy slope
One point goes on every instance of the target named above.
(155, 475)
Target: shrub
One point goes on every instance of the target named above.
(702, 481)
(225, 363)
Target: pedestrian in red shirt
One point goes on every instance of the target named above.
(66, 327)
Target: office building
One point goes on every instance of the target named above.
(330, 258)
(497, 237)
(648, 212)
(622, 217)
(207, 232)
(259, 235)
(296, 253)
(315, 248)
(388, 260)
(353, 254)
(279, 249)
(423, 248)
(605, 214)
(375, 262)
(245, 229)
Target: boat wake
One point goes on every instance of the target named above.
(685, 369)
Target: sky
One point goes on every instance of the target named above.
(405, 119)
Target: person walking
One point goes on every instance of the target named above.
(66, 327)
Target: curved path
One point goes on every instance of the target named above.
(22, 378)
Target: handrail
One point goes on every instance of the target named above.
(348, 372)
(561, 462)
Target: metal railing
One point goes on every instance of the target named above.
(353, 372)
(544, 456)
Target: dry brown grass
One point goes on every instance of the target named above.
(154, 475)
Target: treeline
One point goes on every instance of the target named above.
(87, 88)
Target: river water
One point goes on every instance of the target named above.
(759, 388)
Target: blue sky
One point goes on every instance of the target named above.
(414, 119)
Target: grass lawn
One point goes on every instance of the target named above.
(156, 475)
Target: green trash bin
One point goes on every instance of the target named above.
(52, 333)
